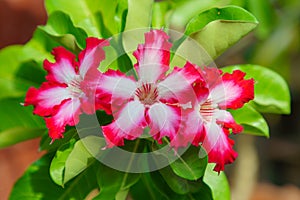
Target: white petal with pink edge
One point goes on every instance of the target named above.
(225, 92)
(128, 124)
(178, 84)
(54, 96)
(164, 120)
(92, 55)
(67, 114)
(153, 57)
(218, 146)
(117, 85)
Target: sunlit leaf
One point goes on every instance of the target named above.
(214, 31)
(271, 90)
(80, 157)
(60, 27)
(57, 167)
(218, 183)
(251, 120)
(189, 165)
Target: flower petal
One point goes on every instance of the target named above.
(191, 131)
(128, 124)
(116, 85)
(218, 146)
(163, 120)
(153, 57)
(64, 69)
(91, 56)
(46, 98)
(224, 118)
(178, 85)
(66, 114)
(234, 91)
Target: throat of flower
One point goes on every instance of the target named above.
(75, 88)
(207, 110)
(147, 93)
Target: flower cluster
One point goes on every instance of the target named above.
(187, 105)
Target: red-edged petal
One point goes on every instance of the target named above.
(163, 120)
(153, 57)
(116, 85)
(224, 118)
(179, 84)
(234, 91)
(128, 124)
(46, 98)
(91, 56)
(64, 69)
(218, 146)
(191, 131)
(66, 114)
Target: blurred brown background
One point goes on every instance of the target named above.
(278, 172)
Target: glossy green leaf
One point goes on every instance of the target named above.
(60, 27)
(214, 31)
(81, 13)
(253, 122)
(218, 183)
(57, 166)
(271, 91)
(18, 123)
(138, 21)
(184, 11)
(189, 165)
(36, 184)
(112, 182)
(178, 184)
(81, 156)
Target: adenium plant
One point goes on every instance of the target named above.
(159, 102)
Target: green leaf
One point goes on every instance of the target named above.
(218, 183)
(18, 123)
(214, 30)
(271, 93)
(112, 182)
(36, 184)
(184, 11)
(18, 134)
(60, 27)
(178, 184)
(158, 14)
(57, 166)
(189, 165)
(81, 13)
(138, 21)
(152, 188)
(81, 156)
(251, 120)
(47, 144)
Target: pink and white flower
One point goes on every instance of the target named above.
(153, 100)
(208, 123)
(70, 87)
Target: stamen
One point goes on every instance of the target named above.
(147, 93)
(207, 110)
(74, 87)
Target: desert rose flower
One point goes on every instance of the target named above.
(70, 87)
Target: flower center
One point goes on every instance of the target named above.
(74, 87)
(207, 110)
(147, 93)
